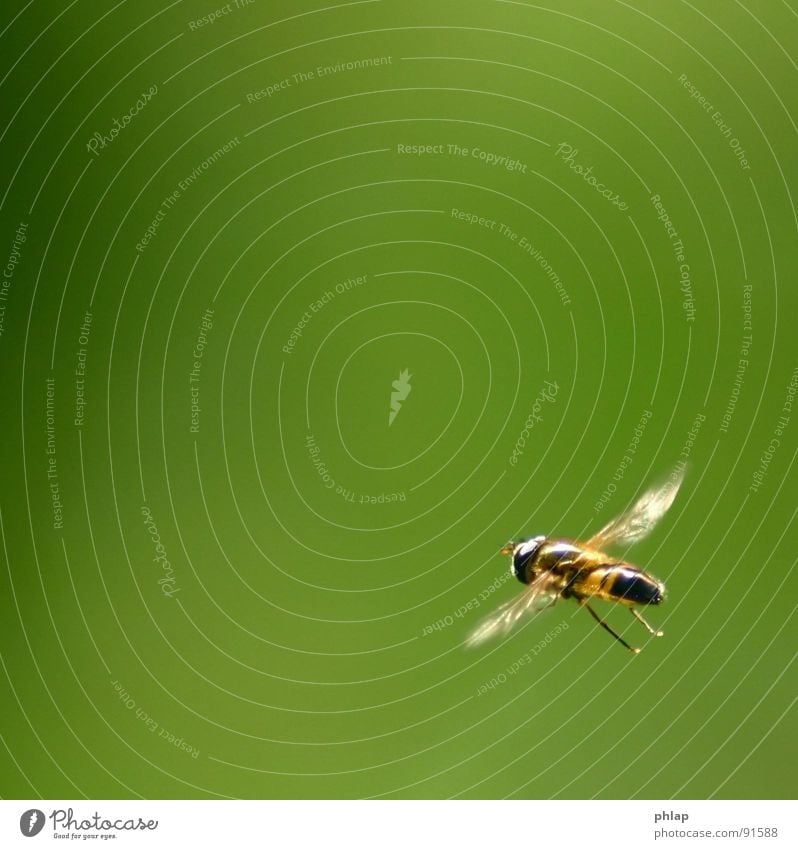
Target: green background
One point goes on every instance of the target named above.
(298, 653)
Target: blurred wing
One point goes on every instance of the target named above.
(640, 519)
(538, 594)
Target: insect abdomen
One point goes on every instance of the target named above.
(620, 583)
(634, 587)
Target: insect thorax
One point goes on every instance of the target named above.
(542, 554)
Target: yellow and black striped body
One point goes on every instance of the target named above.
(577, 572)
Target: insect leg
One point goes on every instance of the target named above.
(645, 624)
(604, 625)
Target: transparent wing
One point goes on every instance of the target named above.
(641, 518)
(538, 594)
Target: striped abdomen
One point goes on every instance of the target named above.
(619, 582)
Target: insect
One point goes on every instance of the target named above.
(554, 568)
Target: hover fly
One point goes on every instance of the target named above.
(554, 568)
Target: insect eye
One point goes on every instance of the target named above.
(520, 562)
(524, 556)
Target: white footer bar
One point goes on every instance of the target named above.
(400, 824)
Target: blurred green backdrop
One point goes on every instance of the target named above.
(227, 229)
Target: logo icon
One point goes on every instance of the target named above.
(31, 822)
(402, 389)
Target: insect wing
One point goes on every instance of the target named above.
(538, 594)
(640, 519)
